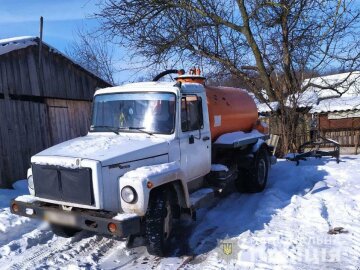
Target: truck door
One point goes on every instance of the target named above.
(195, 140)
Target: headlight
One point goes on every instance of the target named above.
(128, 194)
(31, 184)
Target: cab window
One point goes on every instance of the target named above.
(191, 113)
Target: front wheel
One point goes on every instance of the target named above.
(254, 179)
(158, 223)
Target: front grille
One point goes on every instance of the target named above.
(63, 184)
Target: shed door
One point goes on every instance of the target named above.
(59, 124)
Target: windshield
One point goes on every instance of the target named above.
(134, 112)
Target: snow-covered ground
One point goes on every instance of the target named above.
(285, 227)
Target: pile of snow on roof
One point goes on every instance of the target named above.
(337, 105)
(16, 43)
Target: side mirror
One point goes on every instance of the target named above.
(191, 139)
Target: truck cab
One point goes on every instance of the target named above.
(149, 157)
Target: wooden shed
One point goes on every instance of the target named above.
(45, 99)
(339, 119)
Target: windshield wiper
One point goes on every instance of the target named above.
(108, 128)
(141, 129)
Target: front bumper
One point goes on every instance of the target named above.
(91, 220)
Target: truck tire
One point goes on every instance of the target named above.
(63, 231)
(158, 223)
(254, 179)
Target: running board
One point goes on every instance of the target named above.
(204, 197)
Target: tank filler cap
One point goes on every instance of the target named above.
(194, 76)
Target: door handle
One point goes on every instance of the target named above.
(206, 138)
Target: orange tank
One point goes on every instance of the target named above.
(230, 110)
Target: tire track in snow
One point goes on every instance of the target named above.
(33, 256)
(148, 262)
(178, 259)
(21, 224)
(138, 258)
(55, 250)
(12, 234)
(30, 262)
(84, 249)
(25, 241)
(89, 252)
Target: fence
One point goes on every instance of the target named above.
(346, 137)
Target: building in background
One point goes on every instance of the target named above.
(45, 99)
(338, 115)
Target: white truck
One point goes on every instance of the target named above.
(155, 151)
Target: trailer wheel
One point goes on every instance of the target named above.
(254, 179)
(63, 231)
(158, 223)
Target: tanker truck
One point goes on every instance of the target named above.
(155, 152)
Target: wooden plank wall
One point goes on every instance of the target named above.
(21, 135)
(58, 78)
(32, 114)
(68, 119)
(29, 127)
(346, 131)
(346, 137)
(339, 124)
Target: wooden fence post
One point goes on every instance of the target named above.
(357, 141)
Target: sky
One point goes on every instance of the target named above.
(62, 19)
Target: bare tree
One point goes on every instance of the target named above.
(95, 54)
(272, 46)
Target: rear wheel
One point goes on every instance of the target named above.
(254, 179)
(159, 223)
(63, 231)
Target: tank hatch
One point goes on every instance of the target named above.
(194, 76)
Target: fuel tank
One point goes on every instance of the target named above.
(230, 109)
